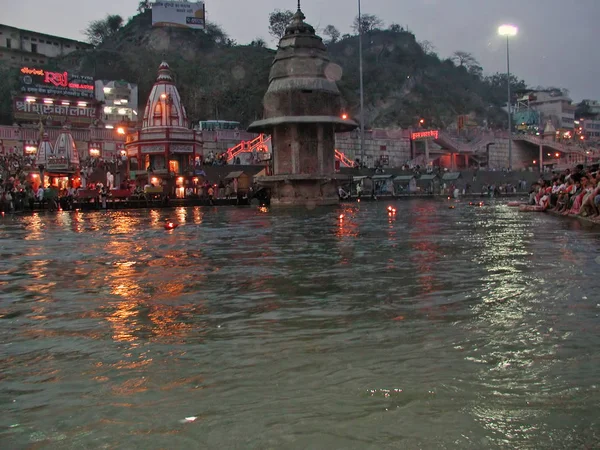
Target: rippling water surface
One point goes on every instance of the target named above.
(436, 328)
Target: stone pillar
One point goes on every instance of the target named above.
(426, 151)
(295, 143)
(320, 149)
(541, 158)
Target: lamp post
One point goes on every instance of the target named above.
(508, 31)
(362, 99)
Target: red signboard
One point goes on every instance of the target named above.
(44, 82)
(431, 134)
(55, 112)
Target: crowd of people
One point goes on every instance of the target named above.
(572, 192)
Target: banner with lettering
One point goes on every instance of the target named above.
(54, 113)
(178, 14)
(64, 84)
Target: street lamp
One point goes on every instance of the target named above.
(508, 31)
(362, 98)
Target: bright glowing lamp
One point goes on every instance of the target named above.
(507, 30)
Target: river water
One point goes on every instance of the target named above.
(473, 327)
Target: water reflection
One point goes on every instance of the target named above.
(466, 325)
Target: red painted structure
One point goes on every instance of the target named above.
(165, 149)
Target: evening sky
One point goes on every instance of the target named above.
(555, 45)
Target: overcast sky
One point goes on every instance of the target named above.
(556, 45)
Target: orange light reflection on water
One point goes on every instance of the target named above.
(425, 253)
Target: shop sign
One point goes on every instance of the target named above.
(24, 110)
(147, 149)
(64, 84)
(431, 134)
(182, 149)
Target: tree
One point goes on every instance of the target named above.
(217, 35)
(332, 32)
(395, 28)
(279, 21)
(99, 31)
(258, 42)
(143, 6)
(464, 59)
(368, 23)
(428, 47)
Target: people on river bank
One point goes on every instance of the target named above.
(574, 193)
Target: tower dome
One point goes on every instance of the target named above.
(302, 82)
(164, 107)
(44, 151)
(66, 150)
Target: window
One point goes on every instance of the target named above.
(34, 48)
(67, 45)
(8, 43)
(26, 59)
(33, 40)
(26, 38)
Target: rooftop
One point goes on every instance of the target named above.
(45, 35)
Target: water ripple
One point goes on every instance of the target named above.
(435, 328)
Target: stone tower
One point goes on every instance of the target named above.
(302, 112)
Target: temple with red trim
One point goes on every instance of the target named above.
(165, 152)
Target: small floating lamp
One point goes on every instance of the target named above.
(169, 225)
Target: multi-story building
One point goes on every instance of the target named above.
(592, 106)
(20, 47)
(590, 128)
(554, 106)
(120, 99)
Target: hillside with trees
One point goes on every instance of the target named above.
(404, 80)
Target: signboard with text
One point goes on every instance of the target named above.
(53, 113)
(63, 84)
(431, 134)
(178, 14)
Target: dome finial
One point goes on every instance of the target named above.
(298, 5)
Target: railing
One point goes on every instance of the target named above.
(573, 148)
(448, 140)
(340, 156)
(86, 134)
(259, 144)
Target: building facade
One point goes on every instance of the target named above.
(20, 47)
(120, 102)
(554, 106)
(590, 129)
